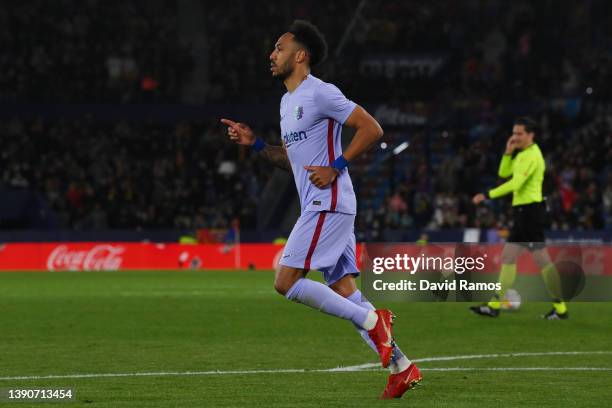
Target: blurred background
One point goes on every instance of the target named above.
(109, 115)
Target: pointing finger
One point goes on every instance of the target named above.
(229, 122)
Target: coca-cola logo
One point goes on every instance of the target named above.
(102, 257)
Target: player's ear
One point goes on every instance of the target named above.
(300, 56)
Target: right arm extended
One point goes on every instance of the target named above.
(243, 135)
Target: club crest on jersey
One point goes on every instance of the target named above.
(299, 112)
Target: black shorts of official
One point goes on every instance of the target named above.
(530, 221)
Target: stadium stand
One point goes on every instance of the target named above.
(446, 77)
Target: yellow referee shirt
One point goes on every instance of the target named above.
(527, 172)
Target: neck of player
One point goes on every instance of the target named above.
(298, 76)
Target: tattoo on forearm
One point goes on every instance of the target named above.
(277, 155)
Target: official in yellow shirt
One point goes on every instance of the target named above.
(526, 172)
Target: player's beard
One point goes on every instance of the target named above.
(284, 71)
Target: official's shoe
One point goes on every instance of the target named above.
(553, 315)
(382, 336)
(399, 383)
(485, 310)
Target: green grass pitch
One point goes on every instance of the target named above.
(74, 324)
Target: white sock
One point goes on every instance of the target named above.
(370, 321)
(399, 362)
(400, 365)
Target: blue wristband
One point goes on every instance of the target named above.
(258, 145)
(340, 163)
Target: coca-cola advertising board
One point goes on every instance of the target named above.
(113, 256)
(122, 256)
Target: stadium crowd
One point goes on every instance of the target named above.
(131, 175)
(91, 51)
(146, 175)
(578, 182)
(124, 52)
(498, 50)
(477, 65)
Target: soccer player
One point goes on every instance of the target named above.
(312, 113)
(526, 170)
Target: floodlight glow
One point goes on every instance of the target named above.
(401, 148)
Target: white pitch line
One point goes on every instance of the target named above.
(154, 374)
(356, 368)
(479, 356)
(518, 369)
(544, 353)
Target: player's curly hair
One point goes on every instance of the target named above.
(530, 125)
(308, 35)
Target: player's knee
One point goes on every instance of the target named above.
(285, 278)
(280, 286)
(283, 283)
